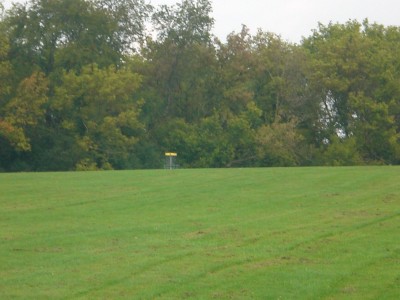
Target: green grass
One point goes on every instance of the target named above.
(290, 233)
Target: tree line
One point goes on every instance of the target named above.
(113, 84)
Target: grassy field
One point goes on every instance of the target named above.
(285, 233)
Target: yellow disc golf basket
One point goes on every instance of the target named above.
(170, 160)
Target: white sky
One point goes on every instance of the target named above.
(293, 19)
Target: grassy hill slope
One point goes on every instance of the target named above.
(279, 233)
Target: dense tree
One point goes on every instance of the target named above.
(84, 85)
(127, 19)
(7, 131)
(236, 63)
(279, 144)
(99, 109)
(185, 23)
(69, 34)
(182, 58)
(354, 68)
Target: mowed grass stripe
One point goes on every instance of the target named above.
(290, 233)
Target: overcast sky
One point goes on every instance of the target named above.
(293, 19)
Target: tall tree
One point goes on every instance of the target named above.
(98, 107)
(235, 77)
(178, 65)
(128, 21)
(354, 70)
(69, 34)
(23, 114)
(182, 58)
(186, 23)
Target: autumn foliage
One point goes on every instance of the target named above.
(114, 84)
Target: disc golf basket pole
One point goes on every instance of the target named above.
(170, 160)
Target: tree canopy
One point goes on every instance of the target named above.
(87, 85)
